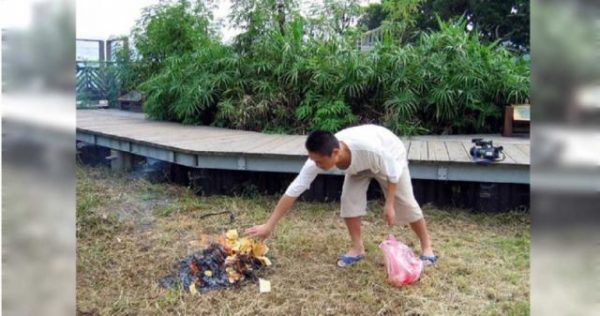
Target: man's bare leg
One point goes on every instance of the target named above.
(420, 229)
(353, 224)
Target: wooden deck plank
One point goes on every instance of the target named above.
(224, 143)
(107, 121)
(111, 113)
(238, 144)
(467, 138)
(136, 127)
(276, 142)
(191, 140)
(457, 152)
(418, 150)
(171, 133)
(516, 154)
(124, 127)
(525, 149)
(206, 137)
(413, 153)
(437, 151)
(295, 146)
(148, 133)
(269, 144)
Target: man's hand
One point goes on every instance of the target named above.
(389, 214)
(260, 231)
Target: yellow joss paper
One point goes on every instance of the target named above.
(232, 235)
(245, 246)
(231, 240)
(264, 260)
(232, 275)
(264, 286)
(193, 288)
(259, 249)
(230, 260)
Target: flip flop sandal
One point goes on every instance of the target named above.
(345, 261)
(428, 260)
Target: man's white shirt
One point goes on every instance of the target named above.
(373, 148)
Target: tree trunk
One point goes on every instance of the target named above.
(281, 16)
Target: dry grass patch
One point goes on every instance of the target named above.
(131, 232)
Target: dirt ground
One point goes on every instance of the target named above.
(130, 233)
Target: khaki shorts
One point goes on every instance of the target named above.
(354, 196)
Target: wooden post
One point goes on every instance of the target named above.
(120, 160)
(508, 121)
(109, 50)
(101, 51)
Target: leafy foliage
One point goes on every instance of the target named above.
(498, 20)
(373, 16)
(292, 74)
(451, 82)
(188, 87)
(167, 29)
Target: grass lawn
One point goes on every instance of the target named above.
(131, 232)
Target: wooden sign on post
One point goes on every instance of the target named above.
(516, 119)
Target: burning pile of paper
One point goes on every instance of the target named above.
(220, 265)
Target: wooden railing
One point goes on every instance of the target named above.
(96, 81)
(99, 79)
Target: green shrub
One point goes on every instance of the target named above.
(188, 87)
(450, 82)
(282, 80)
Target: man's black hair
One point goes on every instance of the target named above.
(321, 142)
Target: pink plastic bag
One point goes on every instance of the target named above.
(402, 266)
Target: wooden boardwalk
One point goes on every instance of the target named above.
(121, 129)
(455, 148)
(203, 139)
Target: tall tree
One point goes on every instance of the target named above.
(503, 20)
(257, 17)
(333, 18)
(373, 15)
(170, 28)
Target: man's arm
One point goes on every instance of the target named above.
(392, 170)
(284, 204)
(300, 184)
(389, 212)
